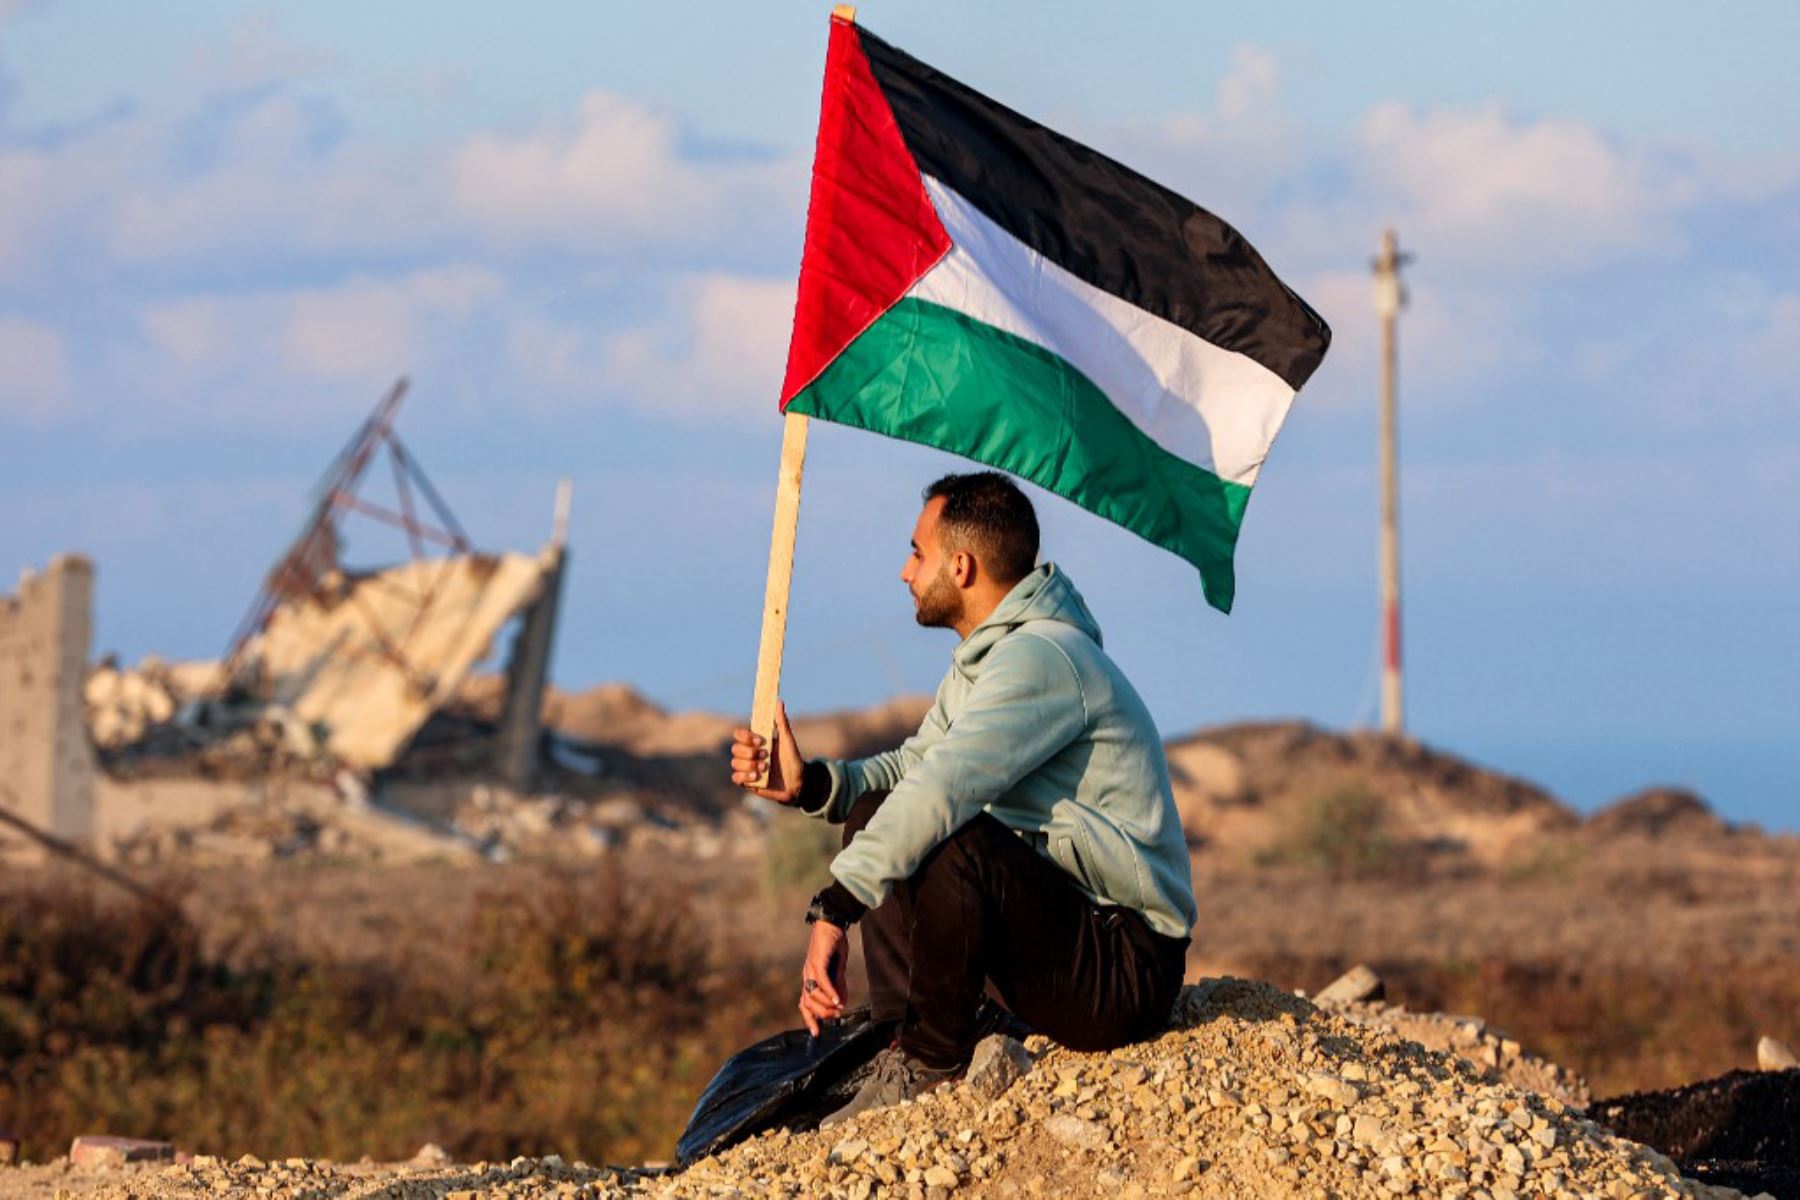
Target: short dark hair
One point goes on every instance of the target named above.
(986, 513)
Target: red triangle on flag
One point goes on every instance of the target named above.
(871, 231)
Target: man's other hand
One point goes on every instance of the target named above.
(823, 989)
(748, 754)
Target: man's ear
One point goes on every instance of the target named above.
(963, 568)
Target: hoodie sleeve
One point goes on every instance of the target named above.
(1025, 707)
(850, 778)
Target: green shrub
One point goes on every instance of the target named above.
(1344, 833)
(798, 854)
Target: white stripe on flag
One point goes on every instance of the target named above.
(1215, 408)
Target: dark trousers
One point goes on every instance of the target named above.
(985, 908)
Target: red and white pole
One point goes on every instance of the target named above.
(1389, 298)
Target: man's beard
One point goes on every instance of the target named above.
(941, 603)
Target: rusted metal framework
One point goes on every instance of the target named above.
(313, 556)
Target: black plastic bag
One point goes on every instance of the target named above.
(790, 1081)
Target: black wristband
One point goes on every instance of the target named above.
(815, 787)
(835, 905)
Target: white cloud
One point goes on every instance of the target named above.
(1224, 156)
(1771, 351)
(34, 370)
(721, 354)
(1451, 338)
(374, 328)
(614, 173)
(367, 329)
(271, 195)
(255, 53)
(717, 350)
(1249, 90)
(193, 331)
(1478, 186)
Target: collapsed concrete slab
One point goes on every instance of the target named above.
(366, 661)
(46, 762)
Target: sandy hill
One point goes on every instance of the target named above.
(1260, 793)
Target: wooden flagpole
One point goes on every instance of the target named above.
(781, 560)
(781, 576)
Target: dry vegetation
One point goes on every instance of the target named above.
(336, 1009)
(549, 1013)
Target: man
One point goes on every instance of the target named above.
(1026, 837)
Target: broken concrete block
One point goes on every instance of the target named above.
(91, 1150)
(1357, 984)
(998, 1062)
(1774, 1055)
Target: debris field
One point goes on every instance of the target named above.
(1253, 1092)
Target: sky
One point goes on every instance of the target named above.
(226, 228)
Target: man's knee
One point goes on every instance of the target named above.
(861, 813)
(973, 843)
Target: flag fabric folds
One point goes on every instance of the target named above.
(978, 283)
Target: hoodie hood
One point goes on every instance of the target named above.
(1044, 595)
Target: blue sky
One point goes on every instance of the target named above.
(225, 227)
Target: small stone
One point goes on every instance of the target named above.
(1329, 1087)
(1073, 1131)
(9, 1149)
(848, 1150)
(1357, 984)
(1185, 1168)
(1775, 1055)
(998, 1063)
(433, 1155)
(96, 1151)
(942, 1177)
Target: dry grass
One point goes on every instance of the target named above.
(584, 1019)
(337, 1011)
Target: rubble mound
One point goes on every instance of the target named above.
(1471, 1039)
(1252, 1092)
(1658, 812)
(1743, 1117)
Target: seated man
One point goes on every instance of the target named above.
(1026, 837)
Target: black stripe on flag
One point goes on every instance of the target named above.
(1098, 219)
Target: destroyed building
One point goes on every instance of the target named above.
(339, 677)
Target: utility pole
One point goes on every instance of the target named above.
(1390, 297)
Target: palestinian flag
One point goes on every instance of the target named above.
(976, 282)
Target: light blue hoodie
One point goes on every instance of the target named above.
(1034, 724)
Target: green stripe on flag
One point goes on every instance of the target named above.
(929, 374)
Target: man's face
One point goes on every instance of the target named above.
(936, 598)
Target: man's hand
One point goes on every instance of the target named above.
(823, 989)
(748, 754)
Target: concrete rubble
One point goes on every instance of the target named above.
(1357, 997)
(1252, 1092)
(47, 768)
(357, 712)
(1773, 1054)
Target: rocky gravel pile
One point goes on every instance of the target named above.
(1358, 997)
(1252, 1093)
